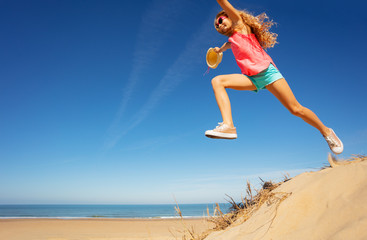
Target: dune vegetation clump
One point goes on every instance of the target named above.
(241, 212)
(238, 212)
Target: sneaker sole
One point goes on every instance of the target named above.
(217, 135)
(337, 150)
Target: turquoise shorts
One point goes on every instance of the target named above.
(264, 78)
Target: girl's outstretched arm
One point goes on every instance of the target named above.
(231, 11)
(223, 48)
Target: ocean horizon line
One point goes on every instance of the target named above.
(108, 211)
(103, 218)
(117, 204)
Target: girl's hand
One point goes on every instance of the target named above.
(217, 50)
(231, 11)
(225, 47)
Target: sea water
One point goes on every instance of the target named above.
(107, 211)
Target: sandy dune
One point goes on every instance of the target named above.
(328, 204)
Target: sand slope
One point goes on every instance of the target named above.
(328, 204)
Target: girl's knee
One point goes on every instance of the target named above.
(297, 110)
(217, 82)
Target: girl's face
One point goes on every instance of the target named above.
(223, 24)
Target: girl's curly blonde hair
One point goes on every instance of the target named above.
(260, 25)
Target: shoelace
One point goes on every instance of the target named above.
(331, 141)
(220, 126)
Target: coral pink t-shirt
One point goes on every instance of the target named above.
(249, 55)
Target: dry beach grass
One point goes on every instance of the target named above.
(239, 212)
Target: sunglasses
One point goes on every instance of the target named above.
(220, 21)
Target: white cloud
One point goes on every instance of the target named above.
(150, 40)
(188, 58)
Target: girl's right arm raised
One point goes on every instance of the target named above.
(231, 11)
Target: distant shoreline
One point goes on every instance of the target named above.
(73, 211)
(101, 218)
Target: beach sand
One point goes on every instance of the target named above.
(97, 229)
(327, 204)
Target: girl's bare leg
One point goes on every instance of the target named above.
(233, 81)
(281, 90)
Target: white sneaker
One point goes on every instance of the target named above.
(335, 144)
(222, 131)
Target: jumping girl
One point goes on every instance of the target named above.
(248, 37)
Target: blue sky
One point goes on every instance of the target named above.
(106, 102)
